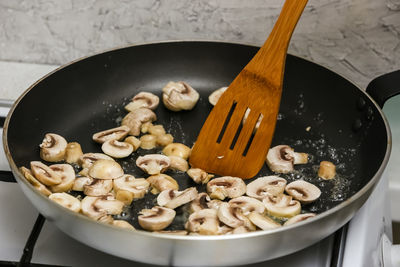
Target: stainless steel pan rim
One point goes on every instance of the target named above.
(329, 212)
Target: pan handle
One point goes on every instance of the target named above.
(384, 87)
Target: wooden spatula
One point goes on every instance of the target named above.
(229, 143)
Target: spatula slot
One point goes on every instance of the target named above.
(235, 138)
(256, 126)
(225, 125)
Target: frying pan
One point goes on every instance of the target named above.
(321, 113)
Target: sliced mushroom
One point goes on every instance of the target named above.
(200, 202)
(130, 187)
(214, 204)
(148, 141)
(105, 169)
(135, 142)
(178, 164)
(123, 224)
(281, 158)
(44, 173)
(263, 222)
(67, 201)
(117, 133)
(164, 139)
(99, 207)
(179, 96)
(87, 159)
(136, 118)
(73, 152)
(98, 187)
(299, 218)
(262, 186)
(199, 176)
(233, 216)
(143, 100)
(281, 206)
(156, 130)
(156, 219)
(53, 147)
(240, 230)
(247, 205)
(226, 186)
(327, 170)
(173, 232)
(204, 222)
(33, 181)
(161, 182)
(303, 191)
(117, 149)
(67, 175)
(214, 96)
(80, 182)
(177, 149)
(173, 198)
(153, 163)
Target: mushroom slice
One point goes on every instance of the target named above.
(226, 186)
(173, 198)
(156, 130)
(200, 202)
(98, 187)
(280, 159)
(143, 100)
(67, 174)
(247, 205)
(53, 147)
(105, 169)
(233, 216)
(199, 176)
(135, 142)
(214, 204)
(214, 96)
(303, 191)
(156, 219)
(80, 182)
(262, 186)
(161, 182)
(73, 152)
(327, 170)
(178, 164)
(117, 149)
(67, 201)
(99, 207)
(179, 96)
(177, 149)
(33, 181)
(87, 159)
(299, 218)
(123, 224)
(136, 118)
(204, 222)
(153, 163)
(137, 187)
(282, 206)
(44, 173)
(173, 232)
(164, 139)
(148, 141)
(117, 133)
(263, 222)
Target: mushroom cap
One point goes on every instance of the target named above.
(156, 218)
(98, 187)
(179, 96)
(143, 100)
(67, 201)
(53, 147)
(173, 198)
(247, 205)
(260, 187)
(67, 174)
(87, 159)
(117, 149)
(153, 163)
(178, 164)
(263, 222)
(117, 133)
(204, 222)
(161, 182)
(299, 218)
(233, 216)
(200, 202)
(303, 191)
(280, 159)
(105, 169)
(215, 96)
(137, 186)
(33, 181)
(226, 186)
(281, 206)
(136, 118)
(44, 173)
(177, 149)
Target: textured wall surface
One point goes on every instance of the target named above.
(357, 38)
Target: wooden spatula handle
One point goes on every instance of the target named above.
(270, 59)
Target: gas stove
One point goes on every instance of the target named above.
(27, 239)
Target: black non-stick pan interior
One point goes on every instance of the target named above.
(321, 113)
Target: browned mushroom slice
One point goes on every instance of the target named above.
(98, 187)
(199, 176)
(136, 118)
(143, 100)
(263, 222)
(233, 216)
(87, 159)
(327, 170)
(226, 186)
(73, 152)
(178, 164)
(156, 130)
(281, 158)
(117, 133)
(214, 96)
(177, 149)
(173, 198)
(44, 174)
(53, 147)
(153, 163)
(299, 218)
(105, 169)
(281, 206)
(117, 149)
(247, 205)
(67, 201)
(203, 222)
(164, 139)
(148, 141)
(33, 181)
(161, 182)
(200, 202)
(99, 207)
(262, 186)
(156, 219)
(80, 182)
(179, 96)
(67, 175)
(303, 191)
